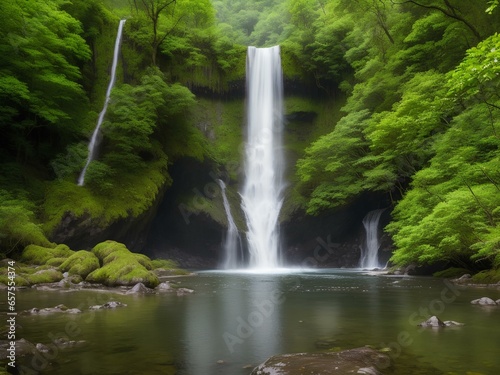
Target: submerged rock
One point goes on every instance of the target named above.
(483, 301)
(51, 310)
(184, 291)
(353, 361)
(435, 322)
(164, 287)
(108, 305)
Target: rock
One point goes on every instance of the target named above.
(113, 305)
(452, 323)
(368, 371)
(64, 343)
(73, 311)
(51, 310)
(351, 361)
(464, 277)
(23, 347)
(433, 321)
(164, 287)
(184, 291)
(498, 301)
(220, 362)
(108, 305)
(139, 288)
(483, 301)
(42, 348)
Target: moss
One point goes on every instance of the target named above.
(132, 194)
(55, 262)
(20, 280)
(44, 276)
(164, 263)
(144, 261)
(451, 272)
(35, 254)
(80, 263)
(103, 249)
(487, 277)
(121, 267)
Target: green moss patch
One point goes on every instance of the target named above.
(35, 254)
(451, 272)
(487, 277)
(80, 263)
(121, 267)
(44, 276)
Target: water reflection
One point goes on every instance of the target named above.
(239, 323)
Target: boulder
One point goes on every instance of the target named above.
(483, 301)
(139, 288)
(433, 322)
(363, 360)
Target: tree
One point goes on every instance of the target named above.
(153, 10)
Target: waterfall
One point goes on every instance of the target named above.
(264, 163)
(369, 252)
(232, 241)
(94, 139)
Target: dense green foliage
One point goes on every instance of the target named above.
(420, 122)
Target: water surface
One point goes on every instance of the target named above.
(240, 319)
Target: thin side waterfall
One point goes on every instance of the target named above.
(369, 252)
(232, 241)
(95, 135)
(264, 162)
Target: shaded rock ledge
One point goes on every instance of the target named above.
(363, 360)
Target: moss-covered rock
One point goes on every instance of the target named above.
(121, 267)
(487, 277)
(80, 263)
(451, 272)
(55, 262)
(35, 254)
(44, 276)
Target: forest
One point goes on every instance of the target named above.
(416, 82)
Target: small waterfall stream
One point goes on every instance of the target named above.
(264, 161)
(95, 135)
(232, 241)
(369, 251)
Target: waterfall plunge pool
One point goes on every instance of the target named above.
(236, 320)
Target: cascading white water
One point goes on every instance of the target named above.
(264, 161)
(369, 252)
(232, 245)
(95, 135)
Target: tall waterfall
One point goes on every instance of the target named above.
(232, 241)
(264, 161)
(369, 252)
(95, 135)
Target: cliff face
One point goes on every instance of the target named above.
(186, 220)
